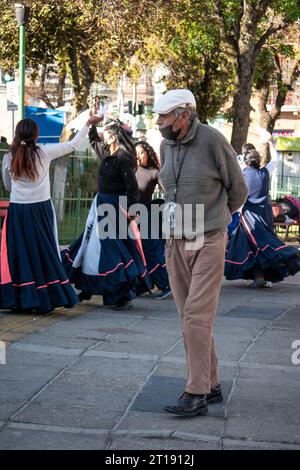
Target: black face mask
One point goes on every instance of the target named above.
(168, 133)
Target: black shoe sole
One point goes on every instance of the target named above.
(213, 400)
(201, 412)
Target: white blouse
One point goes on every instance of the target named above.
(27, 191)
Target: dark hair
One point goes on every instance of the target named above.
(252, 159)
(153, 161)
(288, 208)
(24, 150)
(247, 147)
(117, 128)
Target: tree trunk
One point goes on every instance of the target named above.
(80, 101)
(59, 182)
(241, 103)
(267, 118)
(60, 88)
(262, 97)
(58, 190)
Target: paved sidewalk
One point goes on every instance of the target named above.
(93, 378)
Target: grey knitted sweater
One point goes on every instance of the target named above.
(210, 174)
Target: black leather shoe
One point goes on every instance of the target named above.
(189, 405)
(215, 395)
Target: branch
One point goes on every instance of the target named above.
(296, 72)
(283, 88)
(231, 40)
(259, 9)
(278, 66)
(265, 36)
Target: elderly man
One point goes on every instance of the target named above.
(198, 167)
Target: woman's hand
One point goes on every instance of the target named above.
(93, 120)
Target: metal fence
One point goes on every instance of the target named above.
(284, 185)
(75, 208)
(75, 205)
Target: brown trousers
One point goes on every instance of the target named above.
(195, 279)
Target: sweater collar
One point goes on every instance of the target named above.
(189, 136)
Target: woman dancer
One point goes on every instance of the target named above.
(255, 252)
(107, 259)
(32, 275)
(147, 176)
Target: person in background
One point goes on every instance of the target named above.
(32, 275)
(148, 178)
(110, 265)
(245, 148)
(99, 107)
(290, 208)
(255, 252)
(3, 146)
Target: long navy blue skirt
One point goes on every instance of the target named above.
(255, 246)
(154, 250)
(32, 275)
(112, 266)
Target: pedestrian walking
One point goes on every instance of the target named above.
(198, 167)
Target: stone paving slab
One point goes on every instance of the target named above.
(86, 395)
(7, 408)
(278, 386)
(92, 367)
(41, 348)
(274, 346)
(229, 350)
(248, 444)
(66, 415)
(18, 439)
(107, 367)
(159, 444)
(18, 390)
(145, 421)
(16, 372)
(245, 322)
(161, 390)
(16, 355)
(270, 421)
(60, 341)
(290, 320)
(263, 311)
(143, 336)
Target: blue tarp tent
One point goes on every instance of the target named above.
(50, 122)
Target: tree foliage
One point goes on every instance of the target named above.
(246, 26)
(86, 38)
(209, 46)
(188, 44)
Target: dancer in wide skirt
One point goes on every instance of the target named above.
(148, 178)
(108, 259)
(32, 276)
(255, 252)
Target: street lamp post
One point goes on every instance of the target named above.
(22, 10)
